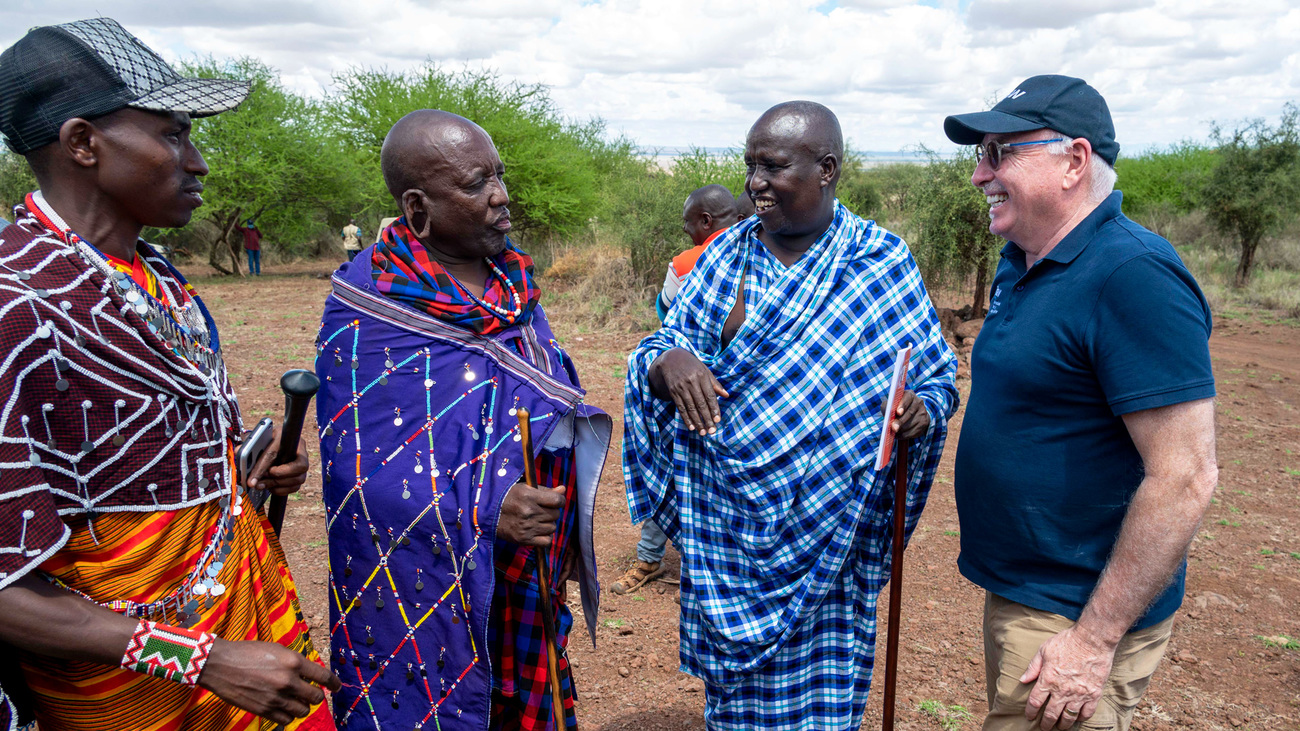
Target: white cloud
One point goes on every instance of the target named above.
(679, 72)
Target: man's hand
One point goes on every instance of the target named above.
(912, 419)
(282, 479)
(267, 679)
(529, 514)
(680, 377)
(1071, 671)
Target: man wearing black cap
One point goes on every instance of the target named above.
(138, 582)
(1087, 452)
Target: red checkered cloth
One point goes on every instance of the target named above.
(521, 699)
(99, 414)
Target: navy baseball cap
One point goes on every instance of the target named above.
(1063, 103)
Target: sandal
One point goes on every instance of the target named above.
(636, 577)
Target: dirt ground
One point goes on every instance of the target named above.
(1233, 661)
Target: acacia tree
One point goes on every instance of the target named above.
(16, 181)
(276, 160)
(554, 167)
(951, 219)
(1254, 188)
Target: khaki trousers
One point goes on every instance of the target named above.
(1012, 635)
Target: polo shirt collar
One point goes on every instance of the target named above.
(1069, 248)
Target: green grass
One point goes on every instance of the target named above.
(950, 718)
(1281, 642)
(1295, 555)
(952, 533)
(614, 623)
(1267, 552)
(1232, 523)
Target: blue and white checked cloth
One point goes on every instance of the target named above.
(783, 526)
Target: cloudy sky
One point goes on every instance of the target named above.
(698, 72)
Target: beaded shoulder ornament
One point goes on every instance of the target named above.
(175, 320)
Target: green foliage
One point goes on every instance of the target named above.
(950, 718)
(856, 189)
(1254, 189)
(896, 182)
(1279, 642)
(275, 159)
(950, 220)
(554, 167)
(644, 205)
(16, 181)
(1170, 179)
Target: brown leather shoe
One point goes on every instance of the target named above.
(636, 577)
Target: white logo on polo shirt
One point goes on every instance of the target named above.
(994, 303)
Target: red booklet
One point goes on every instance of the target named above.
(897, 385)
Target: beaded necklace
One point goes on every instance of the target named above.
(176, 321)
(510, 287)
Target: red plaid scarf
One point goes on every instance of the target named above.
(404, 271)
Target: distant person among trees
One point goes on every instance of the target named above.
(138, 582)
(751, 426)
(351, 239)
(252, 246)
(1087, 452)
(708, 212)
(430, 347)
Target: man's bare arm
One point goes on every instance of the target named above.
(267, 679)
(1178, 456)
(44, 619)
(1177, 447)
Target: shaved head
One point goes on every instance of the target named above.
(792, 165)
(811, 126)
(707, 210)
(446, 176)
(419, 144)
(713, 199)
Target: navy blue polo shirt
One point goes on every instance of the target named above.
(1108, 323)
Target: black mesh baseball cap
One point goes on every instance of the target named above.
(90, 68)
(1063, 103)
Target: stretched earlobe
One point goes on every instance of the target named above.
(417, 216)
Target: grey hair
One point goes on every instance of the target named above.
(1101, 174)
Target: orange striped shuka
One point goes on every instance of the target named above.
(131, 371)
(141, 557)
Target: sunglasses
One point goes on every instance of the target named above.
(995, 151)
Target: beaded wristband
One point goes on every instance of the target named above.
(168, 652)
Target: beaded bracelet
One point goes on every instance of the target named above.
(168, 652)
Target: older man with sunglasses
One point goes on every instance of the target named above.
(1087, 457)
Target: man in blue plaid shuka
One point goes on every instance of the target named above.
(783, 525)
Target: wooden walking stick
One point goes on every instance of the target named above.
(895, 584)
(544, 582)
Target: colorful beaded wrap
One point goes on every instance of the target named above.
(168, 652)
